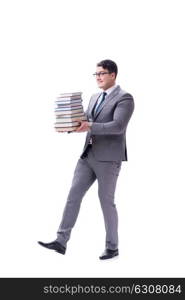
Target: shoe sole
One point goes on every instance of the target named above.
(57, 250)
(108, 258)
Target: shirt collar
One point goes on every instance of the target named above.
(109, 90)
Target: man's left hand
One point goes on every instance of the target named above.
(84, 126)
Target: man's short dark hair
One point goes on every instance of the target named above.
(108, 65)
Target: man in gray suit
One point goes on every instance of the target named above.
(105, 148)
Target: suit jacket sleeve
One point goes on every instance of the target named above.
(121, 117)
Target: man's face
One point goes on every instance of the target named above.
(104, 81)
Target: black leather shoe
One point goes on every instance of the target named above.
(54, 246)
(108, 253)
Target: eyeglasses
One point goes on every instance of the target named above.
(100, 74)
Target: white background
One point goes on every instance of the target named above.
(50, 47)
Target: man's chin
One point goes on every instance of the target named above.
(101, 86)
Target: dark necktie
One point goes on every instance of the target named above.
(98, 106)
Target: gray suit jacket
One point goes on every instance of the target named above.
(108, 131)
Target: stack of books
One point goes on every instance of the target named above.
(68, 109)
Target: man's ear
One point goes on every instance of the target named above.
(113, 75)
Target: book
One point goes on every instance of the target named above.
(70, 119)
(68, 112)
(58, 113)
(67, 124)
(68, 98)
(69, 105)
(62, 108)
(69, 102)
(65, 129)
(71, 94)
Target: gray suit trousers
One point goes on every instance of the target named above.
(86, 172)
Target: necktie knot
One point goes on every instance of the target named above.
(104, 94)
